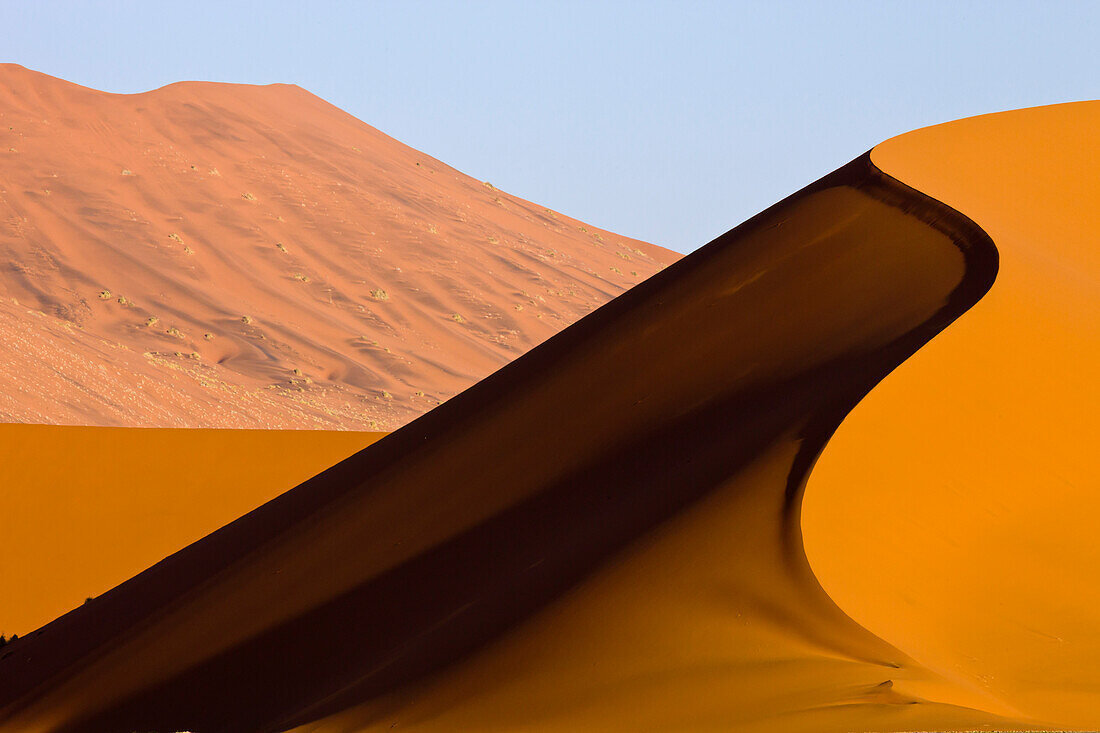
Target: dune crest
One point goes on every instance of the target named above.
(604, 534)
(227, 255)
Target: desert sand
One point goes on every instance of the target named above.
(965, 484)
(226, 255)
(218, 255)
(607, 533)
(88, 507)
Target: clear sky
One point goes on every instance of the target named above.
(668, 121)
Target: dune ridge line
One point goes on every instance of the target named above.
(425, 562)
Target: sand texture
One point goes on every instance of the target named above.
(224, 255)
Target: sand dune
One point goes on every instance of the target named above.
(224, 255)
(965, 485)
(602, 535)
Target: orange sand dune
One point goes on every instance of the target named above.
(602, 535)
(955, 512)
(85, 508)
(224, 255)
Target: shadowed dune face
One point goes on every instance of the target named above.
(601, 535)
(955, 511)
(219, 255)
(87, 507)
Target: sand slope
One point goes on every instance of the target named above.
(221, 255)
(955, 511)
(87, 507)
(604, 534)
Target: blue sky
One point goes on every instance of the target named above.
(668, 121)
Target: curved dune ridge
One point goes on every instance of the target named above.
(228, 255)
(965, 485)
(601, 534)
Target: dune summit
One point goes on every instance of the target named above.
(223, 255)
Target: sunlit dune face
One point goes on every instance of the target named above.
(86, 507)
(219, 255)
(955, 511)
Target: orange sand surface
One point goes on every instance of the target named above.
(226, 255)
(602, 535)
(957, 510)
(84, 508)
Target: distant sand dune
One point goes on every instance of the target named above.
(227, 255)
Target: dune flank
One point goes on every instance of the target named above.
(604, 534)
(85, 508)
(225, 255)
(955, 511)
